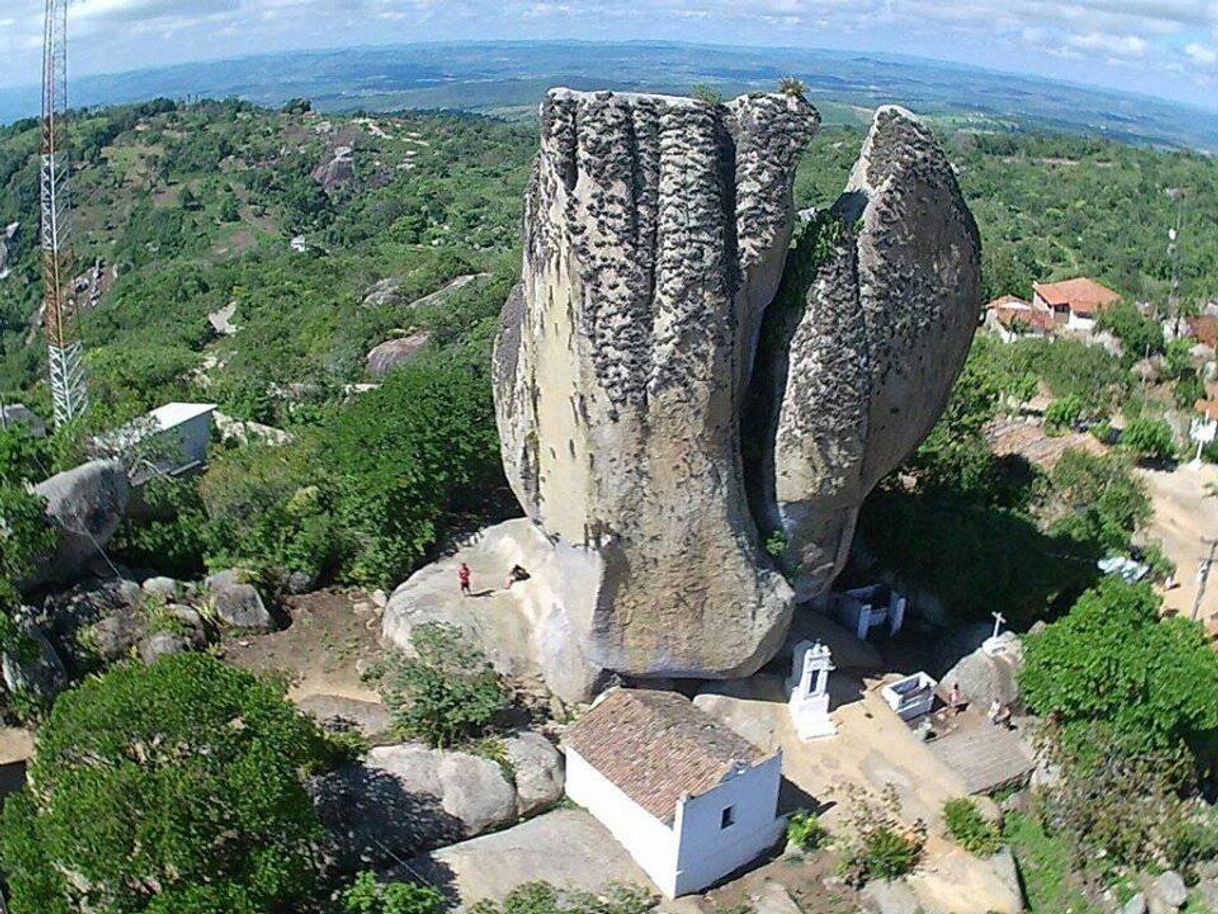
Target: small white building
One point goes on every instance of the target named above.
(172, 440)
(863, 608)
(689, 799)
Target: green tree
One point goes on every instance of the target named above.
(25, 538)
(1152, 684)
(1141, 336)
(1096, 499)
(171, 788)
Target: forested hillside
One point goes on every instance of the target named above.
(309, 239)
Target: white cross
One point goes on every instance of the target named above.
(999, 618)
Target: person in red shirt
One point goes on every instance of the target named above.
(463, 576)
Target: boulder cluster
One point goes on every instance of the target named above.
(692, 409)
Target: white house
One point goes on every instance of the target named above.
(689, 799)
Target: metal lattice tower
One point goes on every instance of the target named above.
(64, 350)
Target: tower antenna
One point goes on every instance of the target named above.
(64, 351)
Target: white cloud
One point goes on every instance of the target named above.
(1202, 54)
(1117, 45)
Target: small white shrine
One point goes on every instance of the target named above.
(809, 685)
(864, 608)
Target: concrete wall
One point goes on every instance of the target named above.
(649, 841)
(707, 852)
(192, 438)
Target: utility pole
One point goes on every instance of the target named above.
(1203, 574)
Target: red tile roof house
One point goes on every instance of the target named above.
(1075, 303)
(1012, 317)
(688, 798)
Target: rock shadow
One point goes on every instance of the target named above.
(376, 823)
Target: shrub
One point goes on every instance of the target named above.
(806, 831)
(448, 693)
(367, 896)
(1065, 413)
(884, 847)
(969, 828)
(793, 86)
(170, 788)
(1150, 439)
(544, 898)
(704, 92)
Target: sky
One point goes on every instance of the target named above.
(1167, 48)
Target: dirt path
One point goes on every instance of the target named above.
(332, 639)
(1184, 514)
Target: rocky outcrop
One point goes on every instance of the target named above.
(401, 800)
(655, 234)
(984, 678)
(6, 240)
(86, 504)
(337, 171)
(237, 603)
(646, 334)
(537, 771)
(879, 306)
(32, 668)
(392, 354)
(524, 631)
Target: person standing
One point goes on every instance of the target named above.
(463, 575)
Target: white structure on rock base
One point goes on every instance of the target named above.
(864, 608)
(689, 799)
(809, 703)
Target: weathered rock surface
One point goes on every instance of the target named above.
(656, 229)
(859, 354)
(337, 171)
(340, 713)
(984, 679)
(645, 335)
(537, 769)
(87, 504)
(525, 631)
(34, 670)
(402, 800)
(392, 354)
(238, 604)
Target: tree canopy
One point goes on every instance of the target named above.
(172, 788)
(1152, 683)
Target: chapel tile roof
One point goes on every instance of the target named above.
(657, 747)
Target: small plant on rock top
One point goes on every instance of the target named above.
(793, 86)
(884, 846)
(806, 831)
(969, 828)
(448, 693)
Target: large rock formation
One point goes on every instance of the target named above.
(86, 504)
(861, 349)
(657, 231)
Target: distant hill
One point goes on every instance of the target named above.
(508, 78)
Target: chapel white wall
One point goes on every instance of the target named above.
(706, 853)
(649, 841)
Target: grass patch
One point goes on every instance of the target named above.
(1044, 867)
